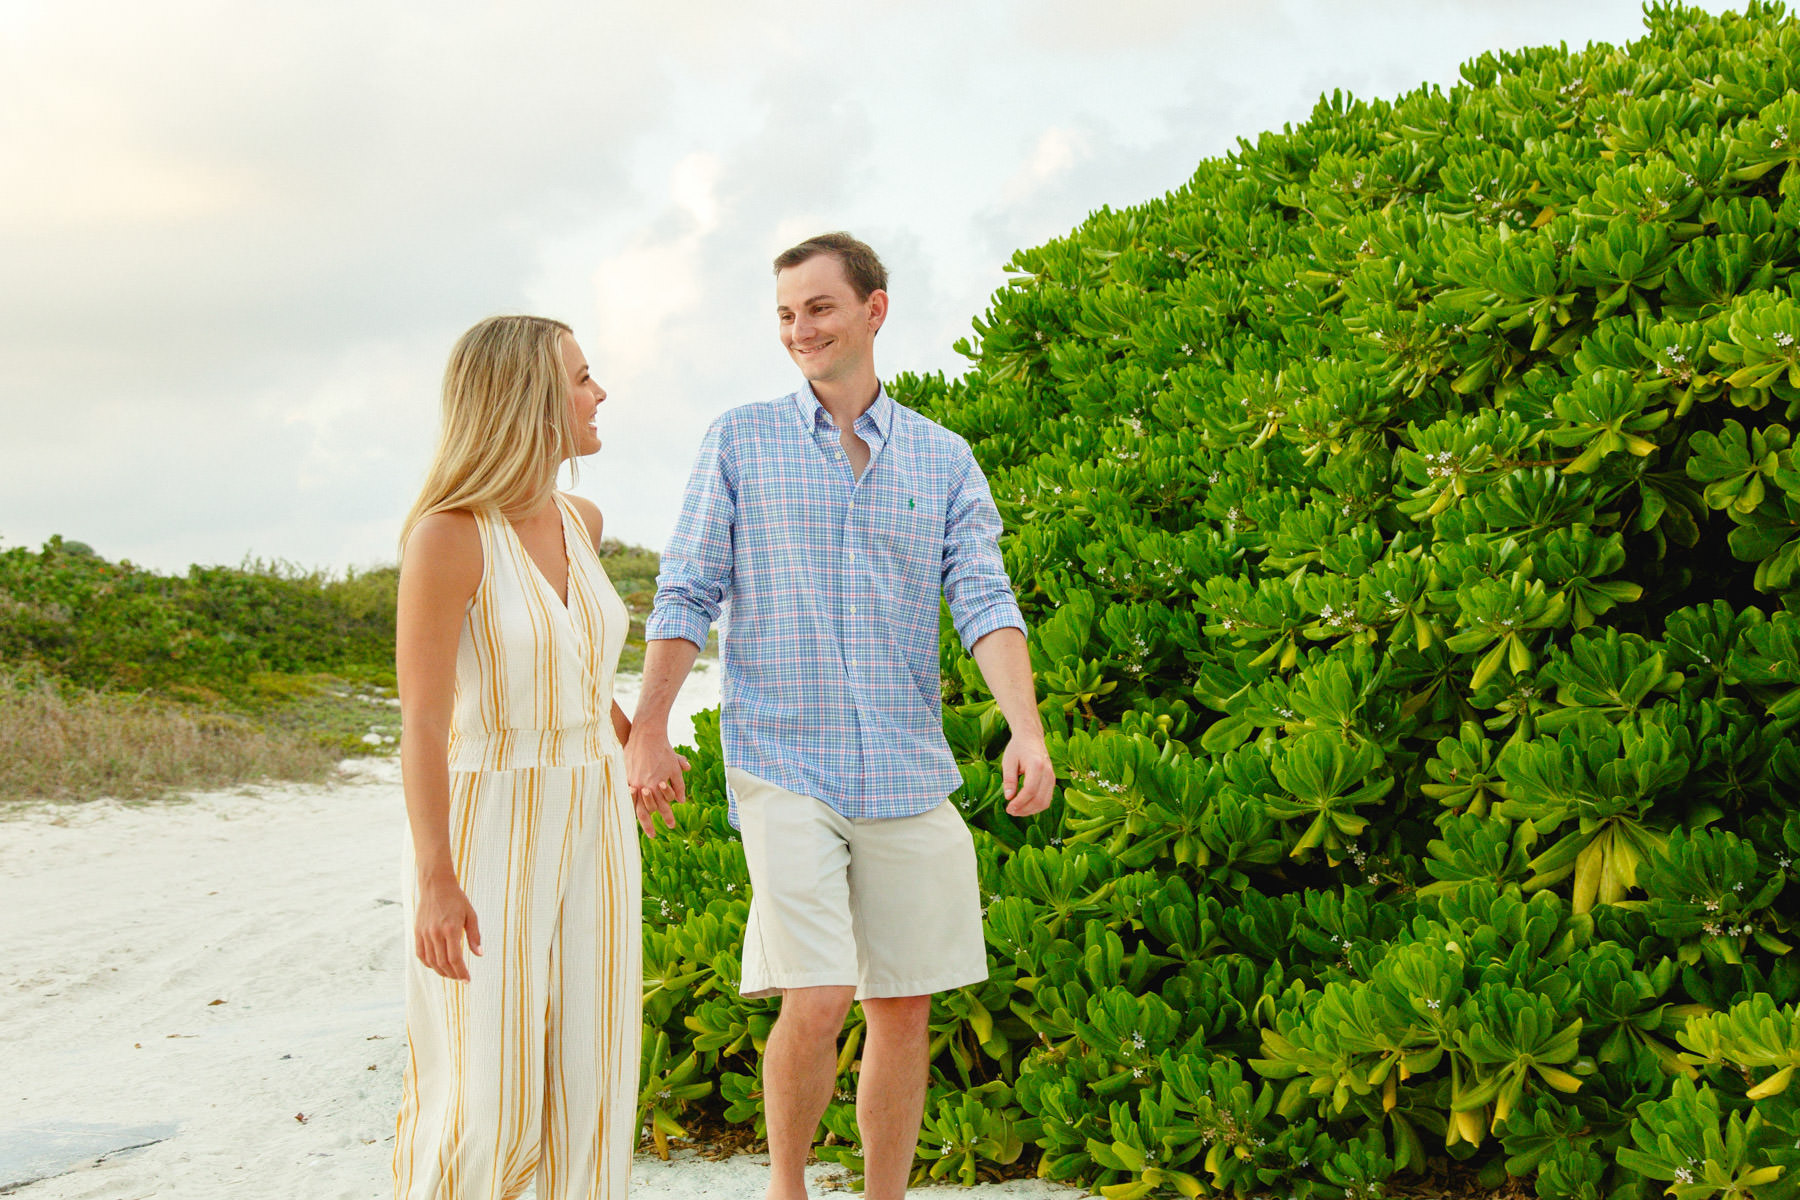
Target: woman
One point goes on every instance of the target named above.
(522, 1056)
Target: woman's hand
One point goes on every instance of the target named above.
(444, 918)
(649, 802)
(653, 773)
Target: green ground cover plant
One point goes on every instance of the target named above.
(1407, 517)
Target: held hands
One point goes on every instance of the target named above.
(444, 918)
(1027, 776)
(653, 772)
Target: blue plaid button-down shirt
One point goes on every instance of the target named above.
(829, 586)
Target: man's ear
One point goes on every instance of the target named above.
(878, 307)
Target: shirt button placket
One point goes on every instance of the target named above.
(849, 536)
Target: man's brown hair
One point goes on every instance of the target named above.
(861, 265)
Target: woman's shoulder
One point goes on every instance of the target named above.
(589, 513)
(447, 542)
(445, 529)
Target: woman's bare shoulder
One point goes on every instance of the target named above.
(590, 516)
(447, 546)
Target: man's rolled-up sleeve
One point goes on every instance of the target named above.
(694, 578)
(976, 588)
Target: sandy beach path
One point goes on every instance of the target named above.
(219, 978)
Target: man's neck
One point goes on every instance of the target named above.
(846, 400)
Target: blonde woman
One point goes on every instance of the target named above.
(522, 1054)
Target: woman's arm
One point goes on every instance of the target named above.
(438, 577)
(590, 516)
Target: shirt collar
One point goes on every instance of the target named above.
(879, 414)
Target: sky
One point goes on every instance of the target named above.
(237, 240)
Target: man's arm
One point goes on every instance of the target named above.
(648, 755)
(1025, 771)
(692, 581)
(990, 625)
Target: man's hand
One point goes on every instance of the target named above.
(1025, 771)
(653, 773)
(1026, 776)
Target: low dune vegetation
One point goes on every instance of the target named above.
(124, 682)
(59, 743)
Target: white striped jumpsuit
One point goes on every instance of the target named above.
(530, 1068)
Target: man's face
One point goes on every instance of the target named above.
(827, 330)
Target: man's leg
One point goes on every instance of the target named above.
(890, 1095)
(798, 943)
(916, 900)
(799, 1068)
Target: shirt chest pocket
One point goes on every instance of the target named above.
(906, 533)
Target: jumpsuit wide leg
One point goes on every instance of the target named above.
(500, 1071)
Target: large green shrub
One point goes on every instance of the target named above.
(1407, 517)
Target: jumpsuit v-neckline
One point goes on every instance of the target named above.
(562, 515)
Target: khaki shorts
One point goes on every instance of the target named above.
(890, 906)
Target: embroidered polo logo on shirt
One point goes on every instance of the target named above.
(909, 502)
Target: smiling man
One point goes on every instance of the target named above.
(831, 521)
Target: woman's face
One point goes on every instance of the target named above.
(585, 396)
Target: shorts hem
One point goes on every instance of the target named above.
(774, 983)
(947, 982)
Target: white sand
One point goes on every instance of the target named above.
(221, 978)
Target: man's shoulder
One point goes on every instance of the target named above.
(757, 416)
(923, 429)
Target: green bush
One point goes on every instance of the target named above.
(99, 624)
(1407, 517)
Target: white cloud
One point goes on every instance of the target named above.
(658, 276)
(1057, 151)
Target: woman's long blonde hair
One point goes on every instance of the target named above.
(506, 421)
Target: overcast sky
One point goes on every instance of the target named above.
(237, 239)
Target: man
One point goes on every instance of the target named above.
(832, 520)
